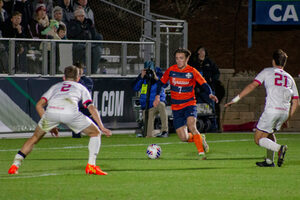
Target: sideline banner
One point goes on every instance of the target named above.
(112, 97)
(280, 12)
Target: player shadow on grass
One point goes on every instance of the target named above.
(240, 158)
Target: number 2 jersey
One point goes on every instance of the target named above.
(280, 89)
(182, 82)
(63, 97)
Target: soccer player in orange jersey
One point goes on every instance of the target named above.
(183, 78)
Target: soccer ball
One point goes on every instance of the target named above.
(153, 151)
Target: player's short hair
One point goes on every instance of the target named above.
(71, 72)
(280, 57)
(186, 52)
(79, 65)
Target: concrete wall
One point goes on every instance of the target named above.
(249, 108)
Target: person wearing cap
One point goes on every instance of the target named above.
(140, 85)
(87, 10)
(39, 22)
(82, 28)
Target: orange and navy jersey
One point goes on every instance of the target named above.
(182, 82)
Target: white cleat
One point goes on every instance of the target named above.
(205, 145)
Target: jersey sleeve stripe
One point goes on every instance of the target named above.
(87, 101)
(257, 81)
(45, 99)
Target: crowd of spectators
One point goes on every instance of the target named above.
(37, 19)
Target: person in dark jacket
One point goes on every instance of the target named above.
(26, 8)
(88, 83)
(140, 85)
(14, 29)
(82, 28)
(210, 71)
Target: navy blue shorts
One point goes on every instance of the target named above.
(180, 116)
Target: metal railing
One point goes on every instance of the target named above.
(46, 56)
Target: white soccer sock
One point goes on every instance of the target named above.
(94, 147)
(18, 160)
(271, 154)
(269, 144)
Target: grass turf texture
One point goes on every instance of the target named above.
(55, 170)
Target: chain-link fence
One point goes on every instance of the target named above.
(115, 20)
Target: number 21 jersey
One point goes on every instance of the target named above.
(280, 89)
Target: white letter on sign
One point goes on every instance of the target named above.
(290, 13)
(272, 12)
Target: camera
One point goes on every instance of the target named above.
(149, 66)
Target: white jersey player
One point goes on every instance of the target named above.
(62, 100)
(281, 90)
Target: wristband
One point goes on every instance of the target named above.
(236, 99)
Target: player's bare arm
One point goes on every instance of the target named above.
(248, 89)
(40, 107)
(95, 114)
(294, 106)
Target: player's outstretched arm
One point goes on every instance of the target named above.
(95, 114)
(249, 88)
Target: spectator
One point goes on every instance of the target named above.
(15, 30)
(210, 71)
(84, 5)
(51, 30)
(149, 77)
(58, 14)
(82, 28)
(48, 5)
(26, 8)
(68, 12)
(3, 17)
(62, 32)
(39, 22)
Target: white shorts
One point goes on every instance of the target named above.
(76, 121)
(270, 122)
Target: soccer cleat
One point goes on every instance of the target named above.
(281, 154)
(265, 164)
(202, 155)
(93, 169)
(205, 145)
(13, 169)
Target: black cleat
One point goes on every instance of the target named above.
(281, 154)
(265, 164)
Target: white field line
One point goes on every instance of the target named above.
(131, 145)
(31, 176)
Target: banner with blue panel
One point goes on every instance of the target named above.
(111, 96)
(280, 12)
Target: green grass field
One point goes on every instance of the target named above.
(55, 170)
